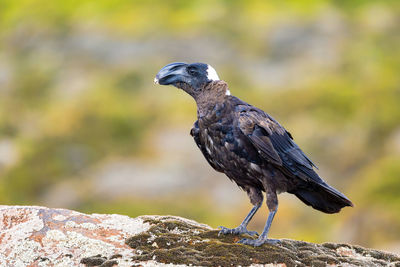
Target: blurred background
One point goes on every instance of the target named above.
(82, 126)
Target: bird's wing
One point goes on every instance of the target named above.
(275, 144)
(195, 132)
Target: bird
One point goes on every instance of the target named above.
(250, 147)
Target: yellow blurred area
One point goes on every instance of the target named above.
(82, 126)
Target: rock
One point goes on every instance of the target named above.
(39, 236)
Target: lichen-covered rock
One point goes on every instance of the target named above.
(38, 236)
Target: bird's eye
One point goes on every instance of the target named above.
(192, 71)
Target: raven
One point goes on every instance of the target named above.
(250, 147)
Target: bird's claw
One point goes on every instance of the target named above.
(236, 231)
(258, 242)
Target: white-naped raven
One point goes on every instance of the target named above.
(250, 147)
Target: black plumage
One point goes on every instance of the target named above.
(250, 147)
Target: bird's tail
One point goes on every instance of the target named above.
(322, 197)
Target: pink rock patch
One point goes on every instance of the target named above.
(39, 236)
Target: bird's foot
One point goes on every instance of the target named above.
(258, 242)
(236, 231)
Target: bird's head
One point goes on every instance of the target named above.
(192, 78)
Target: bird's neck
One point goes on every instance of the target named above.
(213, 96)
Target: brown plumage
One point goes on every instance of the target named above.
(250, 147)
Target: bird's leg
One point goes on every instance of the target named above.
(263, 238)
(242, 228)
(256, 198)
(272, 203)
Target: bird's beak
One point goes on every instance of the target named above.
(171, 74)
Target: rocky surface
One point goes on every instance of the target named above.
(39, 236)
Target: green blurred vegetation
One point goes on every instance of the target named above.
(76, 90)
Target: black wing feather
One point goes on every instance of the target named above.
(264, 146)
(276, 145)
(294, 160)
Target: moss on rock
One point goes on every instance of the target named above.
(174, 241)
(100, 261)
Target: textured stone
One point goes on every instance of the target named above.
(39, 236)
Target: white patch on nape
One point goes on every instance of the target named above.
(212, 74)
(228, 92)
